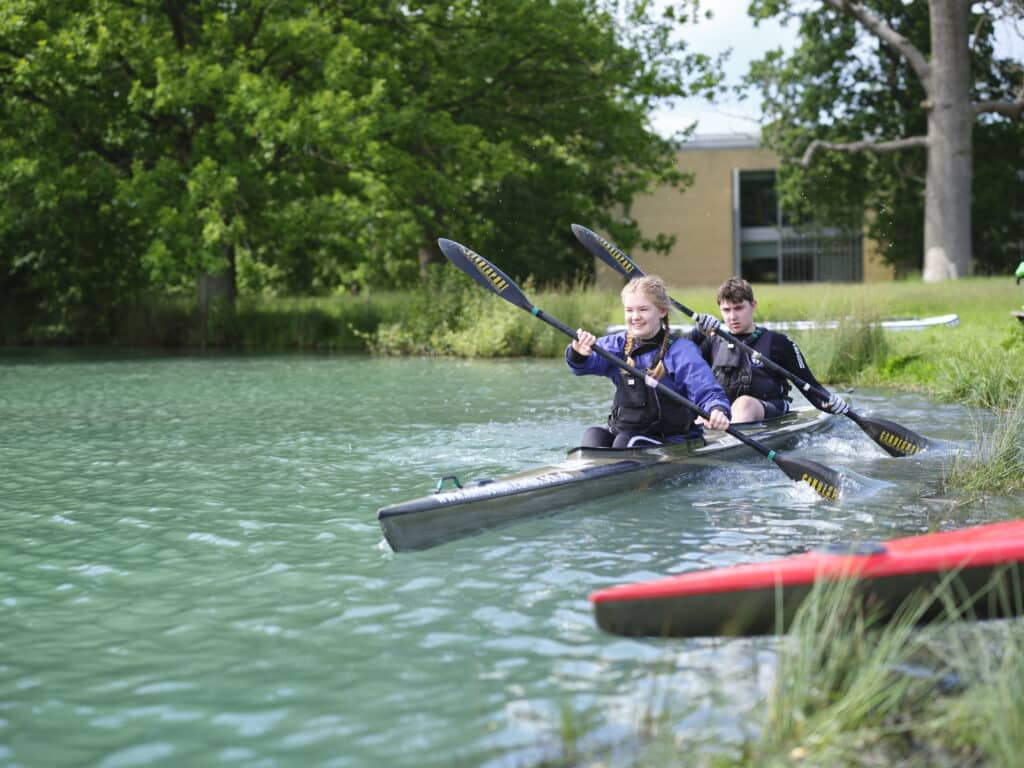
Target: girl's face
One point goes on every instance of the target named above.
(643, 317)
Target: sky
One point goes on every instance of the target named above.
(732, 28)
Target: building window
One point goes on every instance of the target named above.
(759, 205)
(771, 251)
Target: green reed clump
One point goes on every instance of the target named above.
(997, 464)
(836, 693)
(335, 323)
(986, 374)
(458, 317)
(857, 343)
(447, 301)
(985, 722)
(852, 691)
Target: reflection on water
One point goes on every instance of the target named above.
(191, 570)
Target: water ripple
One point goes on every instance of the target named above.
(192, 571)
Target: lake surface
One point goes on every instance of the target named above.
(192, 573)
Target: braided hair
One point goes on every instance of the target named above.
(653, 287)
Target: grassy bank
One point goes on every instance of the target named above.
(981, 362)
(852, 690)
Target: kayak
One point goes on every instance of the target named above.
(895, 324)
(983, 561)
(585, 474)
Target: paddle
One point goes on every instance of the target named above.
(825, 481)
(894, 438)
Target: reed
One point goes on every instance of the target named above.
(836, 693)
(996, 464)
(984, 724)
(852, 691)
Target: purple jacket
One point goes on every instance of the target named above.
(686, 372)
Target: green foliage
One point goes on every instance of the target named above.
(996, 465)
(986, 721)
(836, 692)
(453, 316)
(849, 690)
(856, 345)
(842, 85)
(316, 149)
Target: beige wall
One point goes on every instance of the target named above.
(701, 217)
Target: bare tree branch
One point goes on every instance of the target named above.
(887, 35)
(1011, 109)
(868, 145)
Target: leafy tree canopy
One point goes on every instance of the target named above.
(302, 147)
(845, 85)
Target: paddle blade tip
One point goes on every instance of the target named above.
(828, 485)
(825, 481)
(896, 439)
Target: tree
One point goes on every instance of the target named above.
(915, 91)
(300, 147)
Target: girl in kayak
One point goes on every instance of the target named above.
(755, 391)
(639, 414)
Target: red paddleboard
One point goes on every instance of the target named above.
(980, 562)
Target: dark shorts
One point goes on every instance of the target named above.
(773, 408)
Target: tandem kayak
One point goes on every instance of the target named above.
(586, 473)
(983, 562)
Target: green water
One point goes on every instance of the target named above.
(191, 571)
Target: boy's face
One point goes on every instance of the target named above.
(738, 315)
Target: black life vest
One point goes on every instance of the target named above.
(639, 410)
(734, 371)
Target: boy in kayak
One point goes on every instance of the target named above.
(640, 415)
(755, 391)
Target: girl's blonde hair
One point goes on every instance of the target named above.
(653, 287)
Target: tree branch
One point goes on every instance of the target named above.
(887, 35)
(1011, 109)
(868, 145)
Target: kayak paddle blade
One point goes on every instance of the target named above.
(606, 252)
(893, 437)
(826, 482)
(483, 272)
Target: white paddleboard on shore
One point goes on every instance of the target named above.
(904, 324)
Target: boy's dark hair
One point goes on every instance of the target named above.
(735, 290)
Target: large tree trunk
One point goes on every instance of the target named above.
(947, 211)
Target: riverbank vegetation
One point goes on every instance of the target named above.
(851, 690)
(979, 363)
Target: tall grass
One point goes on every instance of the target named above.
(997, 463)
(862, 684)
(980, 363)
(986, 721)
(457, 317)
(836, 694)
(855, 345)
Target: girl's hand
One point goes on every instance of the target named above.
(717, 420)
(584, 342)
